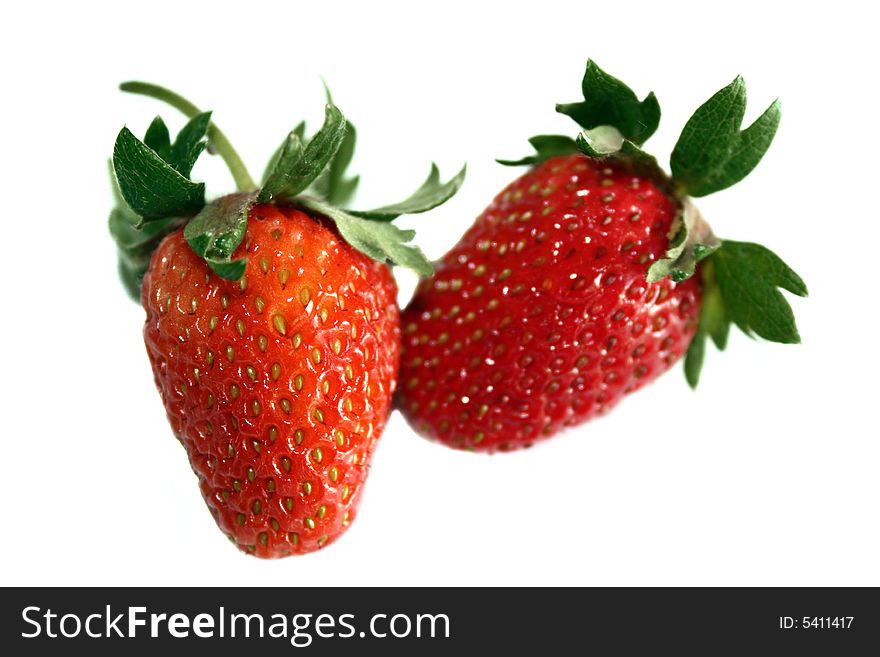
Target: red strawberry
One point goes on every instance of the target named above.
(574, 287)
(273, 336)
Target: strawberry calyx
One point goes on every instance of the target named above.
(155, 194)
(741, 281)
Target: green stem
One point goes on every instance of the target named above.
(218, 140)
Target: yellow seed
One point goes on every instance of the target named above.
(234, 392)
(285, 463)
(276, 371)
(240, 518)
(260, 304)
(307, 487)
(242, 284)
(212, 323)
(273, 434)
(317, 455)
(285, 405)
(256, 507)
(337, 346)
(294, 538)
(322, 511)
(297, 340)
(280, 324)
(224, 301)
(505, 274)
(251, 473)
(230, 353)
(316, 355)
(284, 276)
(276, 234)
(348, 405)
(345, 491)
(210, 358)
(210, 400)
(480, 270)
(334, 474)
(323, 314)
(264, 265)
(349, 372)
(298, 382)
(288, 503)
(305, 295)
(323, 540)
(251, 372)
(325, 387)
(256, 407)
(298, 436)
(263, 342)
(310, 523)
(318, 415)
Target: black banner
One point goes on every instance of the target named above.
(830, 621)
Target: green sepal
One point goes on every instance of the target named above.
(290, 176)
(713, 152)
(607, 141)
(134, 245)
(191, 141)
(693, 359)
(608, 101)
(151, 187)
(332, 184)
(749, 276)
(299, 131)
(429, 195)
(380, 240)
(691, 241)
(546, 147)
(283, 165)
(741, 282)
(158, 138)
(216, 231)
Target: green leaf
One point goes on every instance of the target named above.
(332, 183)
(152, 187)
(382, 241)
(712, 152)
(546, 147)
(289, 177)
(190, 143)
(748, 277)
(608, 101)
(158, 138)
(216, 231)
(431, 194)
(692, 240)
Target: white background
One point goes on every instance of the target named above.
(768, 475)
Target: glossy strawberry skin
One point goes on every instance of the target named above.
(277, 387)
(540, 317)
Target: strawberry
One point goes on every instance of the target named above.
(577, 285)
(272, 326)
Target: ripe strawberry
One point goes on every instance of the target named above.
(575, 286)
(272, 325)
